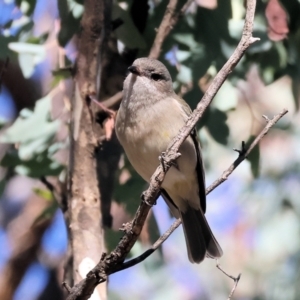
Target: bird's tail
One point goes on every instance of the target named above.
(199, 238)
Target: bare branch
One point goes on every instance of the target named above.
(235, 279)
(113, 100)
(168, 22)
(244, 154)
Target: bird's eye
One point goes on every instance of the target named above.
(156, 76)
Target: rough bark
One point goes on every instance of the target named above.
(84, 199)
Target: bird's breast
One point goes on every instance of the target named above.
(146, 133)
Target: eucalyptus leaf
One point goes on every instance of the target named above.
(130, 192)
(29, 56)
(2, 187)
(185, 74)
(127, 33)
(32, 130)
(226, 98)
(186, 39)
(70, 21)
(36, 167)
(182, 55)
(59, 75)
(217, 126)
(43, 193)
(112, 238)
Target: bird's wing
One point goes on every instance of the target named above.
(200, 171)
(199, 166)
(172, 206)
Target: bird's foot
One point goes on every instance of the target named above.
(165, 163)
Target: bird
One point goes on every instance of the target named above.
(151, 114)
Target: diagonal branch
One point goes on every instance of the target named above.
(109, 263)
(243, 154)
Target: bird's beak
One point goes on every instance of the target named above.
(134, 70)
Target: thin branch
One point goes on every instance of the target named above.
(235, 279)
(132, 262)
(48, 184)
(244, 154)
(113, 100)
(168, 22)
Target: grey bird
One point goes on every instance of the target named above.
(150, 116)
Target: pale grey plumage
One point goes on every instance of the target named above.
(150, 116)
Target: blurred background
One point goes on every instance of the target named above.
(255, 214)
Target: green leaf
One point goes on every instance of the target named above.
(193, 96)
(43, 193)
(28, 6)
(112, 238)
(296, 91)
(36, 167)
(127, 33)
(59, 75)
(217, 126)
(70, 21)
(186, 39)
(185, 74)
(5, 51)
(29, 56)
(226, 98)
(2, 121)
(130, 192)
(253, 157)
(154, 233)
(182, 55)
(69, 26)
(32, 130)
(2, 186)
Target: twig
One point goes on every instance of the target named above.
(168, 22)
(66, 286)
(48, 184)
(107, 266)
(132, 262)
(235, 279)
(244, 154)
(113, 100)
